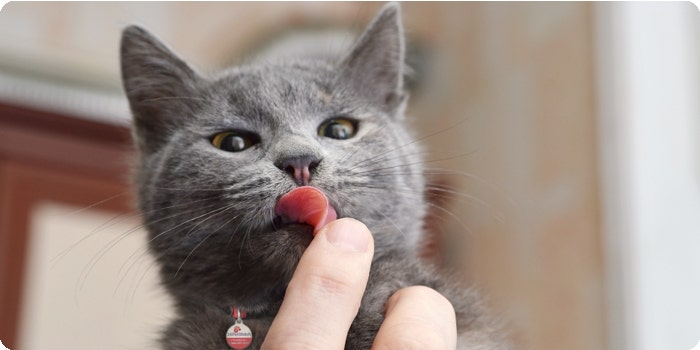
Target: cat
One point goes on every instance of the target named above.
(215, 154)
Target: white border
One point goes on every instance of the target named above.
(649, 122)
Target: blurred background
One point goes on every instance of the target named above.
(565, 134)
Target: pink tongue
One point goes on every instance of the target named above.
(306, 205)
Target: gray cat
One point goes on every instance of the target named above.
(216, 153)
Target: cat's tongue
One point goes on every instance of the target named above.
(306, 205)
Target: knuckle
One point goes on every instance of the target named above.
(325, 282)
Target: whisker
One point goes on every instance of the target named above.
(352, 153)
(144, 250)
(115, 221)
(400, 166)
(140, 280)
(433, 205)
(376, 160)
(498, 215)
(489, 184)
(93, 205)
(106, 225)
(87, 270)
(422, 138)
(446, 193)
(175, 98)
(183, 223)
(391, 222)
(205, 238)
(191, 189)
(450, 213)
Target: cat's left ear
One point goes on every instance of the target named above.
(161, 87)
(375, 65)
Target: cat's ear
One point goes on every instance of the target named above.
(375, 65)
(159, 86)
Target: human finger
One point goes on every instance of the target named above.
(324, 294)
(417, 317)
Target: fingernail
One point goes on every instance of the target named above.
(349, 235)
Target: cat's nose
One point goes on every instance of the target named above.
(300, 168)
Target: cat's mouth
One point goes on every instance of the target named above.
(305, 205)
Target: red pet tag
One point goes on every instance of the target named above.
(239, 335)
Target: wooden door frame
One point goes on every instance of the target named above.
(51, 157)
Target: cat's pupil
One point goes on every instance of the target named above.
(234, 141)
(340, 129)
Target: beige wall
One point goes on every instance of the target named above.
(522, 77)
(90, 283)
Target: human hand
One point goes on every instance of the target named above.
(324, 295)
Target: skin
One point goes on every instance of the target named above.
(331, 276)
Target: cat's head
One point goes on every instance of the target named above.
(214, 157)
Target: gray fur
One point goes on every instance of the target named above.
(210, 213)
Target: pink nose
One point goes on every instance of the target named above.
(300, 168)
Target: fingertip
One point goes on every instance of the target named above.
(348, 234)
(347, 222)
(429, 299)
(417, 317)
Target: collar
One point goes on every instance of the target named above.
(233, 312)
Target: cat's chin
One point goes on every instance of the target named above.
(303, 231)
(290, 236)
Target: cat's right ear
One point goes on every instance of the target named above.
(157, 84)
(374, 67)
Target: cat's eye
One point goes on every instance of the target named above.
(338, 128)
(234, 141)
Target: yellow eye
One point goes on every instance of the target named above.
(338, 128)
(234, 141)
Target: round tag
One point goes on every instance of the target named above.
(239, 336)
